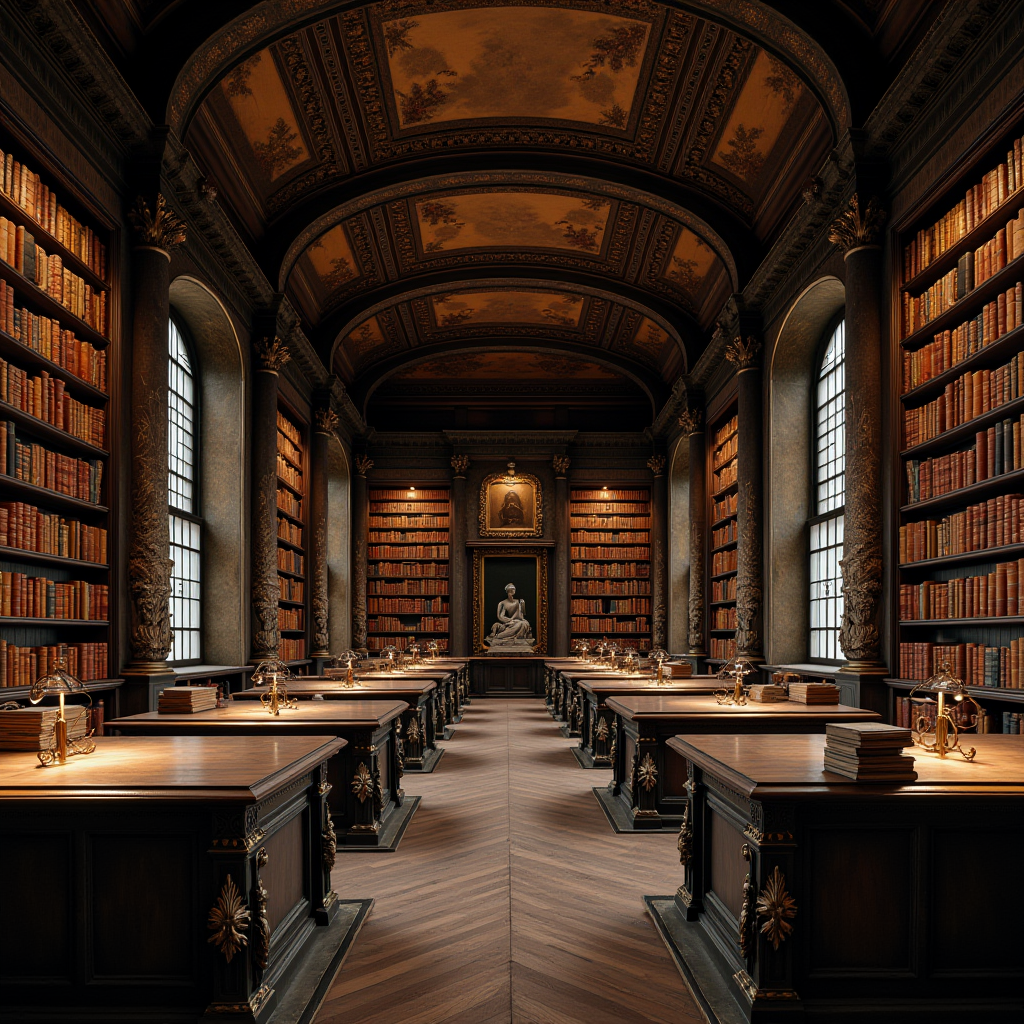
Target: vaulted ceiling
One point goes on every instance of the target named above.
(564, 193)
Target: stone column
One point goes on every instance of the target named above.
(149, 565)
(745, 355)
(324, 421)
(360, 520)
(561, 598)
(270, 354)
(859, 234)
(458, 619)
(692, 422)
(659, 552)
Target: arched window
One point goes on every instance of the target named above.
(829, 499)
(183, 502)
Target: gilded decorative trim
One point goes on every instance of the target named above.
(541, 555)
(777, 907)
(329, 842)
(271, 354)
(163, 230)
(363, 464)
(538, 528)
(857, 229)
(261, 933)
(744, 353)
(561, 464)
(229, 921)
(647, 773)
(363, 783)
(746, 910)
(325, 421)
(656, 464)
(692, 421)
(460, 465)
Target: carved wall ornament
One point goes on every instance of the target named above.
(261, 933)
(413, 732)
(265, 591)
(325, 421)
(271, 353)
(460, 464)
(746, 909)
(319, 601)
(684, 843)
(363, 464)
(561, 464)
(855, 229)
(163, 230)
(744, 353)
(362, 783)
(812, 188)
(656, 464)
(229, 921)
(601, 729)
(749, 590)
(692, 421)
(647, 773)
(695, 604)
(777, 907)
(329, 842)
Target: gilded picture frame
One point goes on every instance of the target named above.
(536, 601)
(511, 506)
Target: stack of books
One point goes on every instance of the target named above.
(767, 693)
(32, 728)
(184, 700)
(814, 693)
(869, 752)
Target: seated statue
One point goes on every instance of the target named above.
(511, 630)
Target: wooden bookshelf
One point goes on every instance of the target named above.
(56, 548)
(292, 567)
(959, 371)
(723, 535)
(610, 559)
(407, 578)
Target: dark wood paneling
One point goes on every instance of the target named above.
(728, 868)
(283, 872)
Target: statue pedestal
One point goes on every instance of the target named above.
(511, 652)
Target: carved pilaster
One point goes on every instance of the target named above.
(360, 520)
(659, 552)
(324, 422)
(692, 422)
(560, 616)
(458, 584)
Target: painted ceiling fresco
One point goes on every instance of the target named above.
(507, 307)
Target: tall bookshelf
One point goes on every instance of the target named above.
(610, 560)
(407, 580)
(55, 423)
(959, 368)
(723, 536)
(292, 605)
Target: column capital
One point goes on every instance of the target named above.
(692, 421)
(857, 228)
(460, 465)
(324, 420)
(656, 464)
(160, 229)
(744, 353)
(363, 464)
(561, 465)
(271, 353)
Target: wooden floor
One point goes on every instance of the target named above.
(510, 900)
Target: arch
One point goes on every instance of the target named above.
(791, 377)
(339, 546)
(679, 546)
(223, 469)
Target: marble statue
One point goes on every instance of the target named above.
(511, 631)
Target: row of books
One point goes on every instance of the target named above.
(18, 249)
(22, 666)
(407, 536)
(919, 712)
(997, 450)
(619, 508)
(971, 395)
(289, 531)
(724, 561)
(582, 570)
(722, 649)
(723, 590)
(1003, 314)
(975, 664)
(619, 551)
(46, 336)
(436, 522)
(407, 551)
(32, 728)
(988, 524)
(290, 590)
(610, 536)
(723, 618)
(291, 649)
(1011, 721)
(36, 465)
(610, 522)
(289, 503)
(584, 625)
(30, 529)
(408, 587)
(427, 624)
(38, 597)
(378, 643)
(409, 494)
(627, 606)
(285, 445)
(407, 605)
(290, 561)
(289, 618)
(972, 270)
(968, 597)
(595, 589)
(414, 569)
(418, 507)
(726, 453)
(26, 189)
(289, 429)
(44, 397)
(619, 494)
(725, 507)
(288, 473)
(725, 534)
(726, 430)
(724, 477)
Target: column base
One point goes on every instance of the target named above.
(143, 681)
(864, 688)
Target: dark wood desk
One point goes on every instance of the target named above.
(552, 666)
(899, 900)
(369, 808)
(114, 863)
(643, 726)
(418, 747)
(597, 721)
(447, 706)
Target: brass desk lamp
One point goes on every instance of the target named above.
(734, 670)
(272, 672)
(61, 682)
(943, 737)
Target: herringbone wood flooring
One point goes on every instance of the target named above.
(510, 900)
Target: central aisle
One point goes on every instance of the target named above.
(510, 899)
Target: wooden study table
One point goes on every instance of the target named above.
(898, 900)
(597, 721)
(552, 666)
(644, 725)
(418, 747)
(370, 810)
(447, 708)
(115, 861)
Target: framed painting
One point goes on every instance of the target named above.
(511, 505)
(494, 571)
